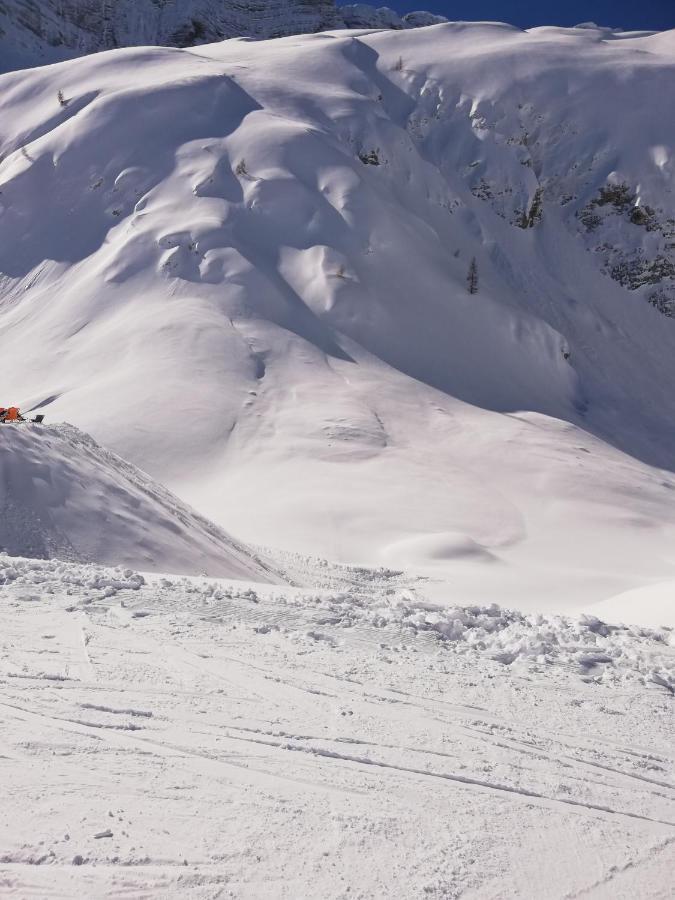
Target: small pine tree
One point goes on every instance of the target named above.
(62, 100)
(472, 277)
(398, 65)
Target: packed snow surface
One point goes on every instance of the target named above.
(64, 496)
(242, 266)
(185, 738)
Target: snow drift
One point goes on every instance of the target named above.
(64, 496)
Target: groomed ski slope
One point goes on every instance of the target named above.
(184, 738)
(273, 238)
(63, 496)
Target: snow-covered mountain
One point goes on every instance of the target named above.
(244, 267)
(395, 308)
(63, 496)
(33, 32)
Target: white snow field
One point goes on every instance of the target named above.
(175, 737)
(205, 234)
(63, 496)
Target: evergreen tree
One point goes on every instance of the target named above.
(472, 277)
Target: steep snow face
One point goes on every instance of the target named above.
(33, 33)
(64, 496)
(244, 266)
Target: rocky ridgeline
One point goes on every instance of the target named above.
(48, 30)
(634, 241)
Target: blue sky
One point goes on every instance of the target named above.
(626, 14)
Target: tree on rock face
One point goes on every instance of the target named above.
(472, 277)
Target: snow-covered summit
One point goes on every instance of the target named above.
(64, 496)
(33, 32)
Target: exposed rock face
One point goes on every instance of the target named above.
(634, 242)
(360, 15)
(90, 25)
(626, 225)
(33, 32)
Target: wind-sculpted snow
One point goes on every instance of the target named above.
(64, 496)
(243, 266)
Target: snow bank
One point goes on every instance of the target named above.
(601, 651)
(59, 576)
(62, 495)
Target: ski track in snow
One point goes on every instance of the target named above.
(176, 737)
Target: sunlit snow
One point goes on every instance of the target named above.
(395, 310)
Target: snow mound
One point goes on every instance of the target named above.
(427, 548)
(52, 575)
(62, 495)
(653, 604)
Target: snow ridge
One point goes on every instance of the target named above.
(62, 495)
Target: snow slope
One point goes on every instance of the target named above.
(35, 32)
(64, 496)
(179, 738)
(273, 237)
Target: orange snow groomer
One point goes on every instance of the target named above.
(13, 415)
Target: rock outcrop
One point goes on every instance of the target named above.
(34, 32)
